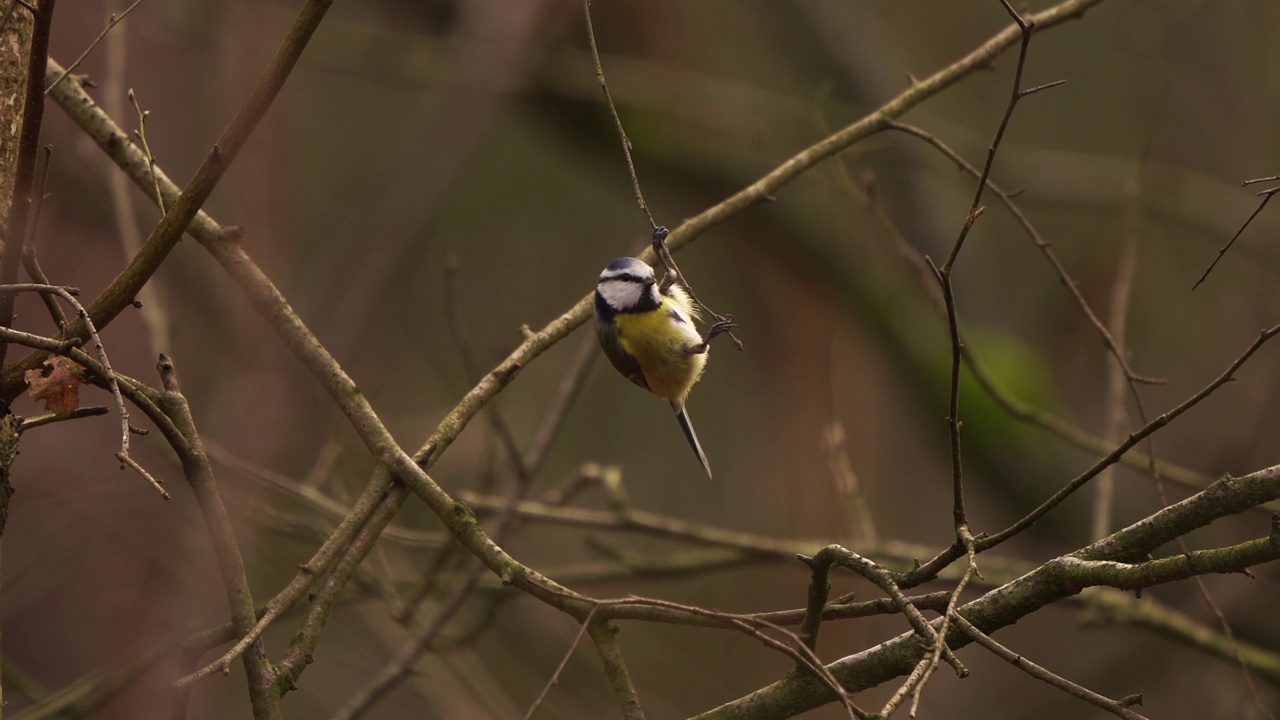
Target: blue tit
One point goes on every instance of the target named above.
(647, 332)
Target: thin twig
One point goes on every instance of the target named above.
(1008, 200)
(1266, 198)
(527, 465)
(35, 421)
(571, 384)
(564, 661)
(940, 644)
(659, 232)
(68, 294)
(794, 647)
(471, 362)
(111, 22)
(959, 517)
(883, 579)
(136, 467)
(299, 654)
(1119, 708)
(663, 253)
(975, 207)
(115, 97)
(1230, 636)
(314, 497)
(1019, 410)
(29, 262)
(1133, 439)
(37, 275)
(141, 134)
(961, 522)
(648, 522)
(930, 569)
(613, 110)
(38, 187)
(52, 345)
(402, 666)
(1132, 377)
(1221, 617)
(321, 561)
(914, 678)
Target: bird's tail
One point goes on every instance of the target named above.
(687, 426)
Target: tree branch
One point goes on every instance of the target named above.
(263, 695)
(1047, 584)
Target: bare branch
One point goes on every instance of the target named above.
(605, 637)
(264, 694)
(43, 419)
(555, 676)
(1266, 198)
(1118, 708)
(613, 110)
(1100, 562)
(1133, 439)
(68, 294)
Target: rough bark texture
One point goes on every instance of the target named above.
(8, 452)
(15, 52)
(15, 49)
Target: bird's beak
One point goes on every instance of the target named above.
(650, 282)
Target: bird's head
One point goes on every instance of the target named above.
(628, 285)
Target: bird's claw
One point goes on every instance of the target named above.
(721, 327)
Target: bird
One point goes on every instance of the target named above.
(647, 332)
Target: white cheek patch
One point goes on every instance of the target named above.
(620, 294)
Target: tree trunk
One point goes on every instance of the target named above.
(15, 51)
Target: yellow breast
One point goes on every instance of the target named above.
(660, 343)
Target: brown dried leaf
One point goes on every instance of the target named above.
(57, 384)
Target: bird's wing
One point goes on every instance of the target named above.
(624, 361)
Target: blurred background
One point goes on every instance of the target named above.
(414, 136)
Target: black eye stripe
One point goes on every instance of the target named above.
(627, 277)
